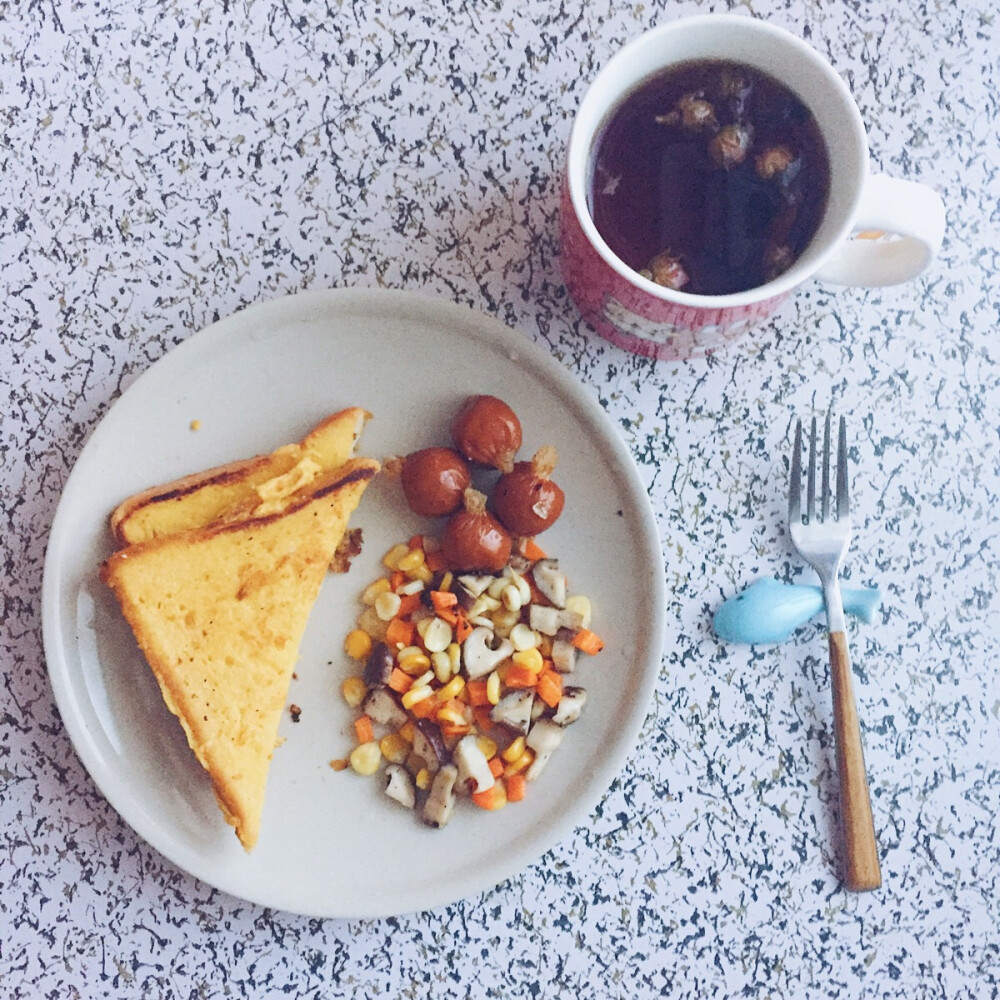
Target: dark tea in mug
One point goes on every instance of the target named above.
(710, 178)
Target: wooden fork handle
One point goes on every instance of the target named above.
(863, 870)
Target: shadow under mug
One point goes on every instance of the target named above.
(876, 230)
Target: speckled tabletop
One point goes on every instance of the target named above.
(167, 163)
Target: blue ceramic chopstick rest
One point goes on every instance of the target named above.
(769, 611)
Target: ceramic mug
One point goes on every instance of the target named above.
(651, 320)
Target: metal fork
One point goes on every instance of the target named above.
(823, 542)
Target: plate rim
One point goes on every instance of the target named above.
(292, 307)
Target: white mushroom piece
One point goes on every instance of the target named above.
(544, 738)
(473, 768)
(441, 801)
(564, 653)
(551, 581)
(570, 706)
(399, 785)
(381, 707)
(548, 620)
(513, 710)
(479, 654)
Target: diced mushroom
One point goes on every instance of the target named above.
(551, 581)
(399, 785)
(428, 745)
(479, 654)
(378, 666)
(471, 586)
(441, 801)
(550, 620)
(381, 707)
(514, 710)
(564, 653)
(543, 738)
(473, 768)
(570, 706)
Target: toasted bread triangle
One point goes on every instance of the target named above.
(200, 499)
(219, 613)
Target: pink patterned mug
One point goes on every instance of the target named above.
(651, 320)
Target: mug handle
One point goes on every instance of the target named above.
(897, 233)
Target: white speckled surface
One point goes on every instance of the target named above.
(167, 163)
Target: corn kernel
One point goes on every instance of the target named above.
(437, 636)
(410, 561)
(407, 729)
(391, 559)
(387, 605)
(523, 637)
(455, 655)
(423, 573)
(394, 748)
(452, 689)
(423, 779)
(488, 746)
(516, 748)
(493, 688)
(413, 662)
(523, 588)
(376, 587)
(366, 757)
(353, 691)
(530, 659)
(358, 644)
(415, 694)
(446, 581)
(442, 666)
(424, 680)
(511, 597)
(495, 589)
(451, 715)
(581, 605)
(521, 764)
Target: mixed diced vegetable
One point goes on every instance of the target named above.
(465, 680)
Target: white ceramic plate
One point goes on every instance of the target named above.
(331, 844)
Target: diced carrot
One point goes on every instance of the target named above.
(530, 549)
(496, 766)
(363, 729)
(434, 561)
(475, 693)
(494, 797)
(550, 687)
(408, 603)
(449, 615)
(400, 681)
(443, 600)
(396, 579)
(416, 542)
(517, 785)
(462, 629)
(400, 633)
(587, 642)
(481, 714)
(424, 709)
(449, 731)
(520, 677)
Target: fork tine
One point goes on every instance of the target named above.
(825, 489)
(811, 475)
(843, 500)
(795, 478)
